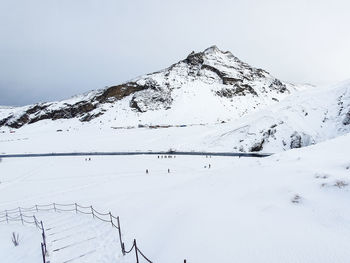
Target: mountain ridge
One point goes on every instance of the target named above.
(228, 78)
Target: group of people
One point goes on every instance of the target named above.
(166, 156)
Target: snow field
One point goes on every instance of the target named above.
(241, 209)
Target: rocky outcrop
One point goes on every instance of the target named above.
(257, 146)
(346, 120)
(298, 140)
(236, 90)
(119, 92)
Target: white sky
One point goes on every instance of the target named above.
(53, 49)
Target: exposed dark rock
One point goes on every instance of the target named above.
(258, 146)
(42, 113)
(36, 108)
(89, 117)
(295, 140)
(5, 120)
(236, 90)
(270, 132)
(195, 58)
(119, 92)
(278, 85)
(346, 120)
(215, 70)
(230, 81)
(134, 105)
(225, 79)
(151, 101)
(19, 122)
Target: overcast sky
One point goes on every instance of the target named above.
(53, 49)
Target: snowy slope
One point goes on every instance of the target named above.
(290, 207)
(303, 119)
(206, 87)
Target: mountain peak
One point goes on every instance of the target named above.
(212, 49)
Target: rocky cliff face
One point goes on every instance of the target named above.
(233, 84)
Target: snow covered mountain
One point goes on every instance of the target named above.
(206, 87)
(209, 101)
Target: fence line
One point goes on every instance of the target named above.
(17, 214)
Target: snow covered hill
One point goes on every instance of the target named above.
(206, 87)
(304, 118)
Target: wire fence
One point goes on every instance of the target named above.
(20, 214)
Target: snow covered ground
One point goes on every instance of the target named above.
(290, 207)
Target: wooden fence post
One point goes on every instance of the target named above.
(36, 224)
(43, 253)
(54, 207)
(7, 219)
(76, 208)
(36, 207)
(20, 214)
(136, 252)
(110, 217)
(21, 218)
(120, 236)
(43, 235)
(92, 211)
